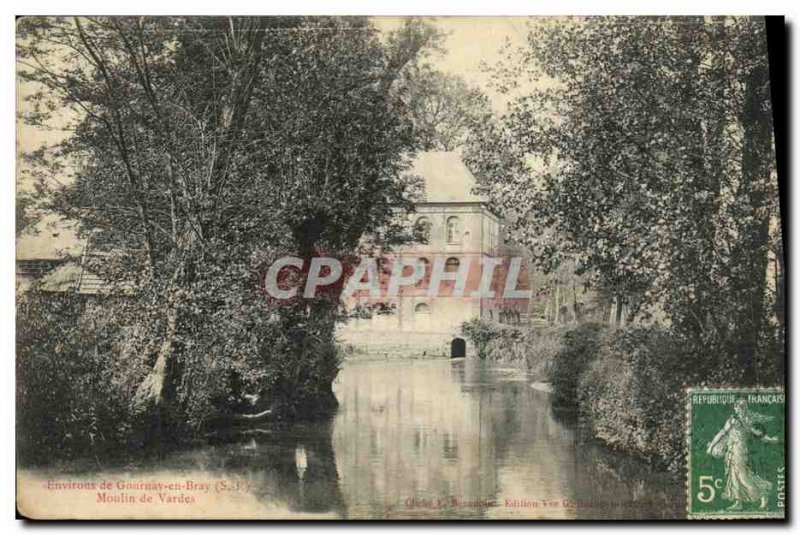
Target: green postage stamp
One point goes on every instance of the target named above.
(736, 453)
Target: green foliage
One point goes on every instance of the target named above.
(201, 149)
(26, 214)
(505, 345)
(444, 109)
(662, 365)
(581, 346)
(633, 397)
(480, 332)
(642, 149)
(540, 347)
(71, 400)
(531, 348)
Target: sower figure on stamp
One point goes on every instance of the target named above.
(742, 484)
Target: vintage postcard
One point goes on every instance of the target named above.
(377, 268)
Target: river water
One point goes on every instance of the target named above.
(435, 439)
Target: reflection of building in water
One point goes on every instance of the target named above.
(426, 432)
(412, 437)
(461, 230)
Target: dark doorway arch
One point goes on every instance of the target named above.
(458, 348)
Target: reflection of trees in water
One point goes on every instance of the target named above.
(508, 411)
(431, 429)
(564, 416)
(291, 465)
(502, 412)
(628, 486)
(544, 443)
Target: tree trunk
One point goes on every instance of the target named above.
(557, 308)
(780, 289)
(153, 392)
(752, 254)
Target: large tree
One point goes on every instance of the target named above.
(443, 107)
(642, 148)
(204, 147)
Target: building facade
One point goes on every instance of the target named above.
(461, 231)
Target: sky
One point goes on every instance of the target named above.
(469, 42)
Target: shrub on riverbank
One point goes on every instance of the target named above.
(481, 333)
(633, 397)
(581, 346)
(516, 345)
(68, 402)
(79, 364)
(534, 348)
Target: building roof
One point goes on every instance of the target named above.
(59, 276)
(446, 178)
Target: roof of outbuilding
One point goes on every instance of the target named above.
(66, 276)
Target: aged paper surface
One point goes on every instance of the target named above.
(399, 268)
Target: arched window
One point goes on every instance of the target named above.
(384, 266)
(451, 265)
(426, 274)
(422, 308)
(423, 227)
(453, 230)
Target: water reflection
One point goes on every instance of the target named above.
(289, 466)
(422, 439)
(461, 439)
